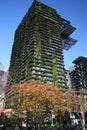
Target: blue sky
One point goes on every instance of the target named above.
(12, 12)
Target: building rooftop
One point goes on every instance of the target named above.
(80, 58)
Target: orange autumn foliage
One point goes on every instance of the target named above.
(39, 96)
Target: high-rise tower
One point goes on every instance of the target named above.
(79, 74)
(37, 52)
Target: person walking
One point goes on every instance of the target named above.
(16, 127)
(76, 127)
(60, 128)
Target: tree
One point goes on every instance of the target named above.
(78, 106)
(81, 102)
(38, 99)
(3, 80)
(67, 104)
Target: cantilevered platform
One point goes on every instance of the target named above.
(67, 29)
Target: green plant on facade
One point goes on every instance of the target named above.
(81, 102)
(49, 35)
(38, 47)
(54, 71)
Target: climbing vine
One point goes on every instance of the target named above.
(55, 71)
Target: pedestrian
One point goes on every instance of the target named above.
(16, 127)
(76, 127)
(60, 128)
